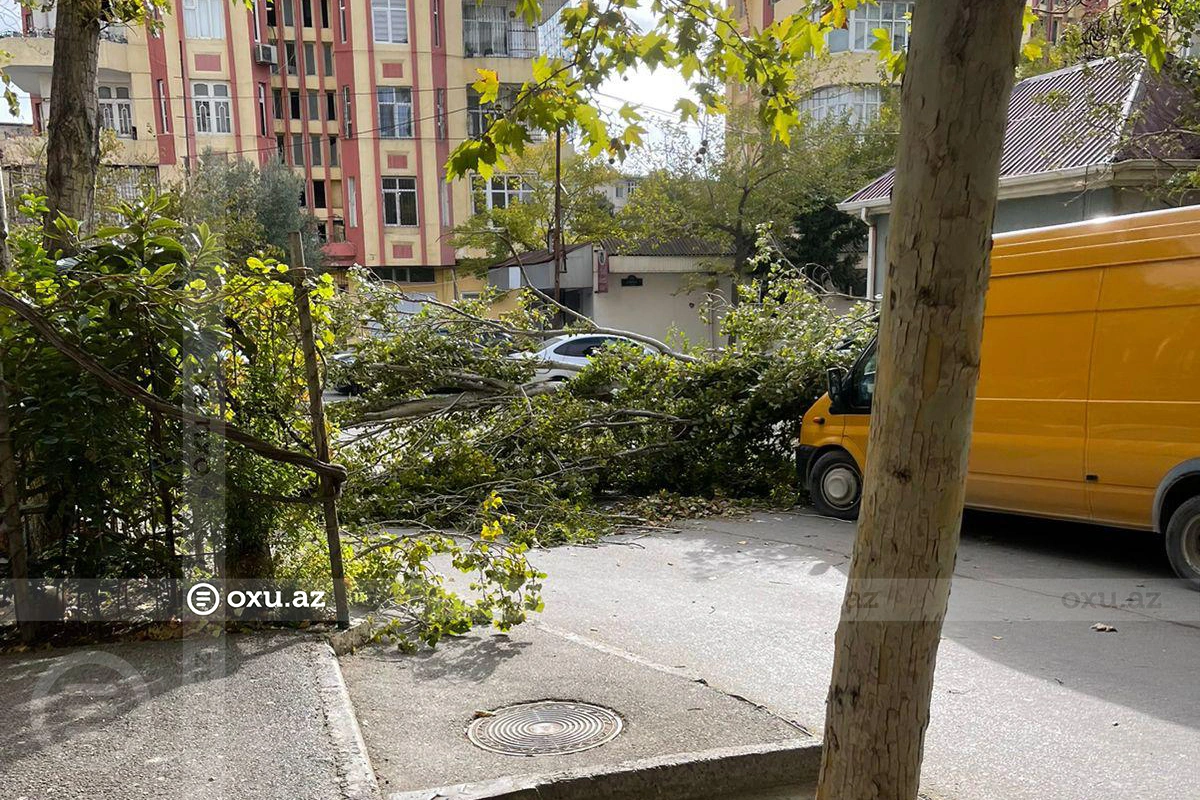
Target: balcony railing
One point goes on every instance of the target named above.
(504, 39)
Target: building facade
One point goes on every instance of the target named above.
(365, 98)
(846, 82)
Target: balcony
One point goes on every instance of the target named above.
(492, 30)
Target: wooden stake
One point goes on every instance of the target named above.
(330, 488)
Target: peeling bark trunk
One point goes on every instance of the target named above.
(959, 77)
(73, 147)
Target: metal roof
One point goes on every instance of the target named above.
(682, 246)
(1098, 113)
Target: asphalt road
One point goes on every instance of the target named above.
(1029, 701)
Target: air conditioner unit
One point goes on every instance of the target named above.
(265, 54)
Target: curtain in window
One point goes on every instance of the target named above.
(390, 20)
(204, 19)
(485, 29)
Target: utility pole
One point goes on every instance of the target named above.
(316, 408)
(10, 497)
(559, 255)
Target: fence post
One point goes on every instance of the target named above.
(316, 408)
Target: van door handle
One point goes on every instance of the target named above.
(819, 420)
(1091, 478)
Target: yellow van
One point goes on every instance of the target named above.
(1088, 405)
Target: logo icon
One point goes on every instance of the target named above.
(203, 599)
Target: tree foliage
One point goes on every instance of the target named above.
(114, 490)
(250, 208)
(743, 177)
(496, 230)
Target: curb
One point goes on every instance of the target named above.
(685, 776)
(349, 751)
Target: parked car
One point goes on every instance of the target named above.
(563, 356)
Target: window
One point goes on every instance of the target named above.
(310, 58)
(315, 146)
(318, 192)
(324, 13)
(116, 110)
(857, 105)
(212, 107)
(892, 17)
(493, 29)
(294, 104)
(306, 12)
(279, 147)
(277, 101)
(204, 19)
(272, 17)
(485, 29)
(400, 202)
(585, 347)
(436, 14)
(262, 109)
(405, 274)
(480, 115)
(347, 117)
(289, 56)
(327, 52)
(164, 108)
(499, 191)
(314, 105)
(390, 20)
(342, 18)
(395, 112)
(330, 106)
(352, 202)
(439, 113)
(289, 12)
(333, 151)
(298, 151)
(861, 386)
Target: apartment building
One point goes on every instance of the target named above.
(365, 98)
(846, 83)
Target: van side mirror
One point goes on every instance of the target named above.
(836, 381)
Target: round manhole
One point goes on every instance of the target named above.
(545, 728)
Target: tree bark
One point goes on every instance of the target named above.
(954, 100)
(73, 147)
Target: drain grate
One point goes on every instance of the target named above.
(545, 728)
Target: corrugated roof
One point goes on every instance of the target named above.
(1078, 117)
(539, 256)
(683, 246)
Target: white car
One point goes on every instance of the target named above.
(563, 356)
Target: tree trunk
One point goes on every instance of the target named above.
(954, 100)
(73, 149)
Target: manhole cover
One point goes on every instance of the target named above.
(549, 727)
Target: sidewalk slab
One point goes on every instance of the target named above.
(226, 718)
(414, 709)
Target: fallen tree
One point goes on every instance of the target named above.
(447, 415)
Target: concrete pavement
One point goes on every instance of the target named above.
(413, 710)
(230, 718)
(1029, 700)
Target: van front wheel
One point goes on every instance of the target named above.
(1183, 542)
(835, 484)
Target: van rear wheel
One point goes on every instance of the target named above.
(1183, 542)
(835, 484)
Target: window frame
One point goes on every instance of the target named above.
(391, 200)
